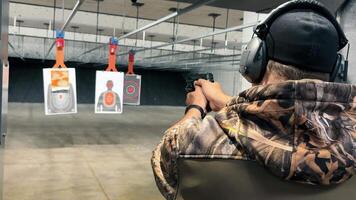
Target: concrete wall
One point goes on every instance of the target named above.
(229, 81)
(232, 81)
(158, 87)
(347, 18)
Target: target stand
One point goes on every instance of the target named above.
(109, 85)
(59, 84)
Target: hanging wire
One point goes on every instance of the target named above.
(137, 14)
(151, 39)
(63, 13)
(214, 16)
(97, 19)
(137, 5)
(75, 29)
(175, 26)
(226, 26)
(18, 42)
(70, 17)
(178, 21)
(154, 23)
(54, 17)
(47, 25)
(20, 39)
(65, 49)
(174, 29)
(123, 19)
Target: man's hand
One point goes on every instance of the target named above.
(214, 94)
(197, 98)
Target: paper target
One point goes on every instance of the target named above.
(109, 92)
(132, 89)
(60, 95)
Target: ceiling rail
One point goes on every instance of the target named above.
(234, 28)
(64, 26)
(159, 21)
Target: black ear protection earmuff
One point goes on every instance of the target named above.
(255, 58)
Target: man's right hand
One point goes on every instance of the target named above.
(214, 94)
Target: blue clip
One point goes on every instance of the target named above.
(114, 41)
(132, 52)
(59, 34)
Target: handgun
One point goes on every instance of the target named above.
(192, 78)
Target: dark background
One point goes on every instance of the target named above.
(158, 87)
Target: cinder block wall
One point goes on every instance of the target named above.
(158, 87)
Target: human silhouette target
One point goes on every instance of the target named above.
(109, 92)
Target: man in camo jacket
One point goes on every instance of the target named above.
(296, 124)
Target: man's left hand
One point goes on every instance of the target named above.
(197, 98)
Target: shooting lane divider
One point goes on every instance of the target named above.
(132, 84)
(59, 83)
(109, 85)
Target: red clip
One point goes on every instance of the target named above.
(131, 62)
(112, 58)
(131, 57)
(113, 49)
(59, 53)
(60, 42)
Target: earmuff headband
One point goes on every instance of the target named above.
(262, 29)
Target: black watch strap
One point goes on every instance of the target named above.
(201, 110)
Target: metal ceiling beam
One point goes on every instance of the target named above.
(263, 5)
(197, 59)
(233, 67)
(179, 53)
(159, 21)
(207, 62)
(66, 23)
(212, 57)
(206, 66)
(235, 28)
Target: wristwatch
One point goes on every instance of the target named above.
(201, 110)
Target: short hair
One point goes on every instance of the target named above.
(293, 73)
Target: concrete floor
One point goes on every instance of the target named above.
(83, 156)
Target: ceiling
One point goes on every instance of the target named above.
(156, 9)
(262, 5)
(152, 9)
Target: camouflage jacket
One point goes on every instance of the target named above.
(302, 131)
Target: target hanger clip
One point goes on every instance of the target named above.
(112, 54)
(59, 50)
(131, 62)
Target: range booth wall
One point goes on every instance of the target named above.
(26, 83)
